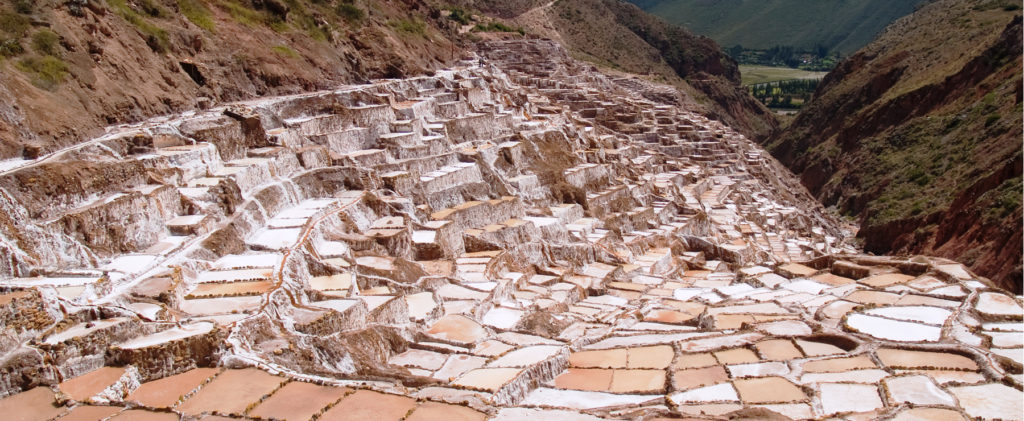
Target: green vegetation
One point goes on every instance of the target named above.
(753, 75)
(252, 18)
(13, 27)
(789, 94)
(285, 50)
(816, 59)
(46, 72)
(299, 16)
(197, 12)
(459, 15)
(1002, 200)
(156, 37)
(780, 87)
(839, 25)
(411, 26)
(13, 24)
(350, 13)
(46, 42)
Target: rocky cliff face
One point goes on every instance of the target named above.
(918, 137)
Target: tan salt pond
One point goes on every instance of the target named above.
(489, 379)
(457, 328)
(83, 387)
(231, 392)
(695, 360)
(778, 350)
(899, 358)
(434, 411)
(835, 280)
(659, 356)
(638, 381)
(90, 413)
(698, 377)
(35, 404)
(818, 349)
(886, 279)
(165, 392)
(736, 356)
(594, 379)
(368, 405)
(141, 415)
(836, 365)
(339, 282)
(669, 316)
(298, 401)
(872, 297)
(768, 390)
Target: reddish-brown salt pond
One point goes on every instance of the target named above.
(90, 413)
(83, 387)
(141, 415)
(164, 393)
(231, 392)
(32, 405)
(369, 405)
(298, 401)
(434, 411)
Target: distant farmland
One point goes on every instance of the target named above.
(753, 75)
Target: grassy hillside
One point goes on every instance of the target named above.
(839, 25)
(918, 135)
(69, 68)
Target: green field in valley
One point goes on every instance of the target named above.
(752, 75)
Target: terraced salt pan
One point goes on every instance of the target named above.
(135, 263)
(276, 239)
(999, 305)
(930, 315)
(246, 261)
(528, 356)
(871, 376)
(838, 397)
(893, 330)
(723, 392)
(213, 306)
(82, 329)
(917, 390)
(172, 334)
(581, 400)
(502, 317)
(991, 401)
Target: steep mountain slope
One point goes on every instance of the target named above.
(839, 25)
(918, 135)
(73, 67)
(619, 36)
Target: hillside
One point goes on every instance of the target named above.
(918, 136)
(618, 36)
(839, 25)
(73, 67)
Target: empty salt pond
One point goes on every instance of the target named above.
(172, 334)
(883, 328)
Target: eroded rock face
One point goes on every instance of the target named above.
(518, 236)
